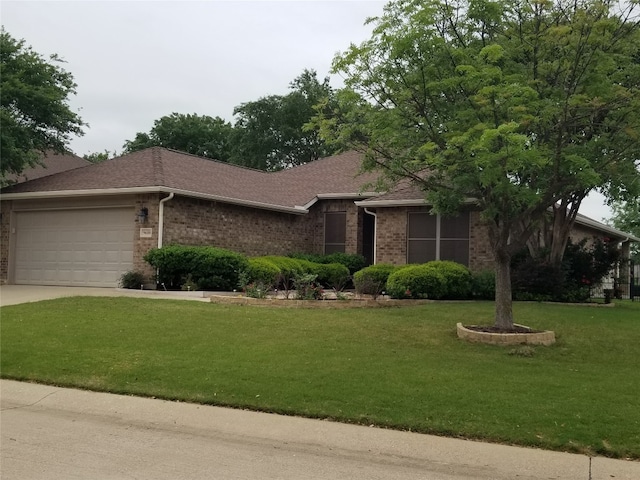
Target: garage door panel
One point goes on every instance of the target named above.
(91, 247)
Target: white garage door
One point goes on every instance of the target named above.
(88, 247)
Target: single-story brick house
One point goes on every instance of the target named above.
(89, 225)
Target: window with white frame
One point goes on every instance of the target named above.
(435, 237)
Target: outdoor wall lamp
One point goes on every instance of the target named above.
(143, 215)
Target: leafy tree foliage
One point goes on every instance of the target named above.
(626, 217)
(270, 132)
(521, 106)
(199, 135)
(98, 157)
(34, 111)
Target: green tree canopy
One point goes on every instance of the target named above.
(34, 111)
(98, 157)
(518, 105)
(199, 135)
(270, 132)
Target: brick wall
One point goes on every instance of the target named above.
(247, 230)
(353, 241)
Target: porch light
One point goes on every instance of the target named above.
(143, 215)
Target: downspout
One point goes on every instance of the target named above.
(375, 234)
(161, 218)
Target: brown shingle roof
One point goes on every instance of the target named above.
(52, 163)
(173, 170)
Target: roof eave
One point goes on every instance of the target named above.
(337, 196)
(152, 189)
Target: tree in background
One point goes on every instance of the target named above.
(34, 106)
(99, 157)
(520, 106)
(199, 135)
(626, 217)
(270, 134)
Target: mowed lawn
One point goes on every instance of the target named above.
(394, 367)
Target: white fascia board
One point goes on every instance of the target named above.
(392, 203)
(137, 190)
(589, 222)
(337, 196)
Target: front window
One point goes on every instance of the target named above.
(434, 237)
(335, 232)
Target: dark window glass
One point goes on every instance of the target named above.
(455, 250)
(455, 227)
(421, 251)
(422, 225)
(335, 232)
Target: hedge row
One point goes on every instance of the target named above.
(281, 272)
(212, 268)
(434, 280)
(209, 268)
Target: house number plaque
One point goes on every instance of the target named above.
(146, 232)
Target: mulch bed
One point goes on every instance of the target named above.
(494, 329)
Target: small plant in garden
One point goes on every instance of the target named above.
(307, 288)
(189, 285)
(132, 280)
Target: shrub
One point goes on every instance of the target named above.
(483, 285)
(306, 287)
(132, 279)
(582, 267)
(417, 281)
(210, 268)
(435, 280)
(372, 280)
(457, 279)
(332, 275)
(263, 271)
(352, 261)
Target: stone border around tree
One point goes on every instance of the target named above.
(546, 337)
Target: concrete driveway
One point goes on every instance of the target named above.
(15, 294)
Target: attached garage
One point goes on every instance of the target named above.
(73, 247)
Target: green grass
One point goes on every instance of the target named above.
(399, 367)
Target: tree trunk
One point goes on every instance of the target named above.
(504, 300)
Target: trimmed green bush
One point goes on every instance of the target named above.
(372, 280)
(352, 261)
(332, 275)
(457, 277)
(210, 268)
(483, 285)
(262, 271)
(434, 280)
(417, 281)
(133, 279)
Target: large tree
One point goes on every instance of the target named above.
(204, 136)
(517, 106)
(35, 116)
(270, 132)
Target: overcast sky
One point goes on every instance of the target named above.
(135, 61)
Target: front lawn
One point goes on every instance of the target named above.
(398, 367)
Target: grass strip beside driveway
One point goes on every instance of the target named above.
(399, 367)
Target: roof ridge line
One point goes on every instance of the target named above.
(158, 167)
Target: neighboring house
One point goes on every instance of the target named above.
(89, 225)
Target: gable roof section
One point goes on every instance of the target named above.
(52, 163)
(162, 170)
